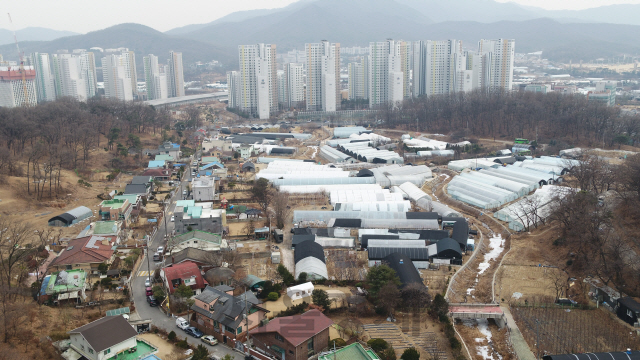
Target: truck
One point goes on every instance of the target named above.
(182, 323)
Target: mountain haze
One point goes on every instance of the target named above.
(142, 39)
(32, 34)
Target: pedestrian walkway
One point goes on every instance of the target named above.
(42, 269)
(144, 273)
(517, 340)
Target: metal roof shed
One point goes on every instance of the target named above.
(309, 248)
(407, 273)
(448, 249)
(411, 253)
(71, 217)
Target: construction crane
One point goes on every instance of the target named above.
(22, 70)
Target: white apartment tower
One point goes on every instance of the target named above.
(359, 79)
(175, 77)
(386, 79)
(439, 65)
(323, 76)
(282, 87)
(294, 82)
(45, 86)
(255, 84)
(88, 71)
(232, 88)
(13, 92)
(155, 78)
(498, 60)
(69, 79)
(117, 83)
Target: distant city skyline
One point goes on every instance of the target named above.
(164, 15)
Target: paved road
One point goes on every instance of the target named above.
(145, 311)
(519, 344)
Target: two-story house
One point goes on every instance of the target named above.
(185, 273)
(292, 337)
(170, 149)
(85, 253)
(219, 313)
(108, 337)
(203, 189)
(115, 210)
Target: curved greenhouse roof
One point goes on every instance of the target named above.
(71, 217)
(308, 248)
(324, 181)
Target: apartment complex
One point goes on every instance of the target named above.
(13, 92)
(175, 76)
(45, 87)
(294, 85)
(386, 80)
(68, 76)
(323, 76)
(117, 81)
(254, 87)
(499, 55)
(155, 78)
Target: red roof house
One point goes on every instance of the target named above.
(298, 336)
(86, 253)
(158, 174)
(186, 273)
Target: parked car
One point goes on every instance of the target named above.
(209, 340)
(160, 250)
(181, 323)
(173, 218)
(193, 332)
(184, 192)
(152, 300)
(562, 301)
(147, 282)
(149, 291)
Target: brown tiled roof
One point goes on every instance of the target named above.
(77, 252)
(184, 270)
(298, 328)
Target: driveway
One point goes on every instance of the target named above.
(158, 318)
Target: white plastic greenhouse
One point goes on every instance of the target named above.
(399, 206)
(424, 201)
(325, 181)
(391, 175)
(531, 209)
(366, 192)
(330, 154)
(345, 132)
(362, 193)
(424, 143)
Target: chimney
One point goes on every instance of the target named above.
(106, 242)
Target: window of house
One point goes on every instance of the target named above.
(630, 313)
(108, 351)
(82, 347)
(90, 351)
(279, 337)
(291, 352)
(310, 346)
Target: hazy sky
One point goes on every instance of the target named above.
(83, 15)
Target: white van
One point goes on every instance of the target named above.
(182, 323)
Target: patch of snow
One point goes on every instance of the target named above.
(516, 295)
(496, 244)
(315, 151)
(445, 176)
(484, 350)
(469, 290)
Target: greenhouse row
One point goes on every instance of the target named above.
(332, 155)
(424, 201)
(363, 152)
(423, 143)
(391, 175)
(399, 206)
(531, 210)
(361, 193)
(325, 181)
(366, 192)
(345, 132)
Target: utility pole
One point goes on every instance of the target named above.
(538, 338)
(148, 261)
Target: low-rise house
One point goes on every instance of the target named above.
(209, 159)
(168, 148)
(115, 210)
(186, 273)
(158, 174)
(292, 337)
(203, 189)
(157, 164)
(245, 151)
(199, 217)
(145, 180)
(107, 338)
(200, 257)
(104, 228)
(133, 199)
(354, 351)
(137, 189)
(219, 313)
(628, 310)
(86, 253)
(198, 240)
(220, 276)
(65, 285)
(164, 157)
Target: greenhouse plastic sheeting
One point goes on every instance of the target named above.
(532, 209)
(345, 132)
(314, 268)
(336, 242)
(400, 206)
(370, 189)
(314, 215)
(325, 181)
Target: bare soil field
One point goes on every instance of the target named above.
(564, 331)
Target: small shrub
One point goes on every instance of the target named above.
(183, 344)
(59, 335)
(172, 336)
(569, 262)
(377, 345)
(338, 342)
(273, 296)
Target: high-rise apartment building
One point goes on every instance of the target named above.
(282, 87)
(439, 65)
(255, 84)
(293, 75)
(386, 79)
(358, 73)
(499, 55)
(175, 77)
(155, 77)
(45, 87)
(117, 83)
(88, 71)
(323, 76)
(69, 79)
(13, 91)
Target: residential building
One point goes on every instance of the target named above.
(15, 93)
(199, 240)
(202, 258)
(155, 78)
(203, 189)
(295, 337)
(359, 79)
(323, 76)
(104, 228)
(219, 313)
(85, 253)
(282, 88)
(199, 217)
(255, 85)
(88, 71)
(134, 199)
(245, 151)
(354, 351)
(172, 149)
(186, 273)
(419, 67)
(158, 174)
(116, 72)
(68, 77)
(116, 209)
(499, 55)
(137, 189)
(440, 62)
(628, 310)
(45, 87)
(386, 80)
(65, 285)
(294, 85)
(175, 76)
(143, 180)
(107, 337)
